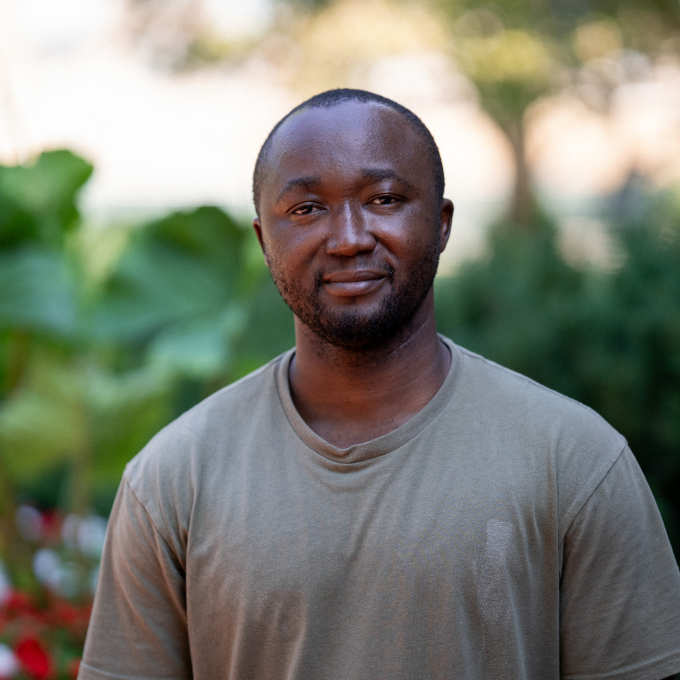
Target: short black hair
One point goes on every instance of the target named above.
(340, 96)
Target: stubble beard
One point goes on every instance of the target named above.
(352, 329)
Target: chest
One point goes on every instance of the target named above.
(427, 533)
(389, 567)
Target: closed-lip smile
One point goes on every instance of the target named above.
(353, 282)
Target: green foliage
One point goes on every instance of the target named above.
(37, 291)
(176, 291)
(37, 211)
(63, 408)
(92, 366)
(39, 201)
(269, 332)
(610, 340)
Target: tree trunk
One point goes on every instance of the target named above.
(523, 205)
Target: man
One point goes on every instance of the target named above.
(378, 502)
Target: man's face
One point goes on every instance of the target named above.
(349, 221)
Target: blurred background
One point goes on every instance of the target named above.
(131, 285)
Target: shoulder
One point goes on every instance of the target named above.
(525, 406)
(203, 441)
(527, 402)
(541, 432)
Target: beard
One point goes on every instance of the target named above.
(355, 329)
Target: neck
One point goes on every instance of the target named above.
(349, 396)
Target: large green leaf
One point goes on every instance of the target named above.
(37, 292)
(185, 267)
(38, 201)
(124, 412)
(200, 347)
(270, 330)
(79, 410)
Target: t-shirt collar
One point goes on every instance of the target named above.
(374, 447)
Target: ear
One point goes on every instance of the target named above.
(445, 220)
(257, 226)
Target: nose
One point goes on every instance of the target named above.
(350, 234)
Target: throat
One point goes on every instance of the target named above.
(346, 408)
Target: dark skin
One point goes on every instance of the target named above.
(349, 192)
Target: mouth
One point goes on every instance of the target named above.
(352, 283)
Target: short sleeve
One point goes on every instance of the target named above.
(620, 585)
(138, 627)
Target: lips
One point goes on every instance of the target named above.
(352, 283)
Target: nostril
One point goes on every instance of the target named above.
(349, 237)
(350, 244)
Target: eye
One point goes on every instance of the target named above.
(306, 209)
(384, 200)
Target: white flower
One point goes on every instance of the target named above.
(69, 530)
(9, 666)
(91, 534)
(29, 522)
(47, 567)
(5, 587)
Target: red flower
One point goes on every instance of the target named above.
(19, 603)
(34, 659)
(66, 616)
(63, 613)
(51, 526)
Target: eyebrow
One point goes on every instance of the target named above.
(307, 183)
(378, 174)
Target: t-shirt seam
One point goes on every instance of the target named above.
(526, 379)
(317, 454)
(168, 543)
(627, 669)
(364, 462)
(595, 488)
(253, 375)
(187, 429)
(563, 537)
(107, 674)
(181, 421)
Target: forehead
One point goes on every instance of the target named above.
(343, 138)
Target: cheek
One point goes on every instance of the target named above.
(411, 243)
(296, 247)
(289, 260)
(409, 232)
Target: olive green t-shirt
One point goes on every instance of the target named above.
(504, 532)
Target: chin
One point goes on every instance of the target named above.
(355, 330)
